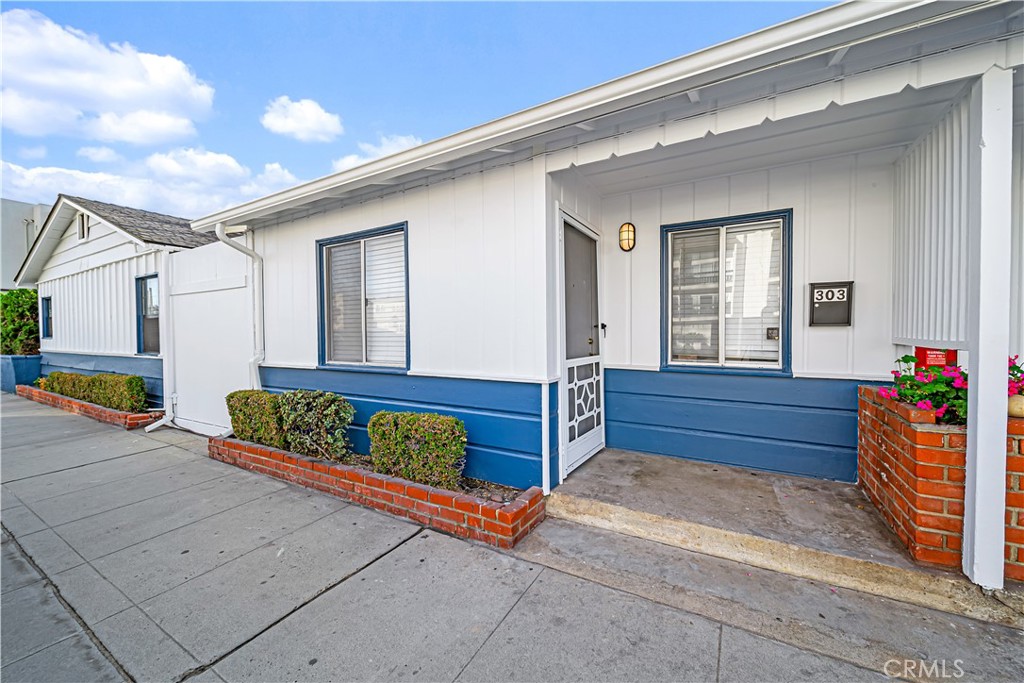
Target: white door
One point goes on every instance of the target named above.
(582, 394)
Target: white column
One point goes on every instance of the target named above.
(988, 198)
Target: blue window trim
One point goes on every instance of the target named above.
(783, 215)
(46, 317)
(321, 249)
(139, 284)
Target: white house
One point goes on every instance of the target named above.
(98, 268)
(632, 266)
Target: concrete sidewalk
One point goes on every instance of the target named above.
(172, 567)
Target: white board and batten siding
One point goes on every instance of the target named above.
(842, 230)
(94, 280)
(931, 235)
(930, 241)
(476, 275)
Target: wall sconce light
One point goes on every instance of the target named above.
(627, 236)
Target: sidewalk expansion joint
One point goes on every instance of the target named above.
(203, 667)
(71, 610)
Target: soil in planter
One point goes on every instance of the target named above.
(474, 487)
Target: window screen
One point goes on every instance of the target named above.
(365, 291)
(725, 295)
(46, 317)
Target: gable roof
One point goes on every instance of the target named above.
(144, 228)
(147, 226)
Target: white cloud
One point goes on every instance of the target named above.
(185, 182)
(99, 155)
(197, 165)
(388, 144)
(37, 152)
(304, 120)
(139, 127)
(58, 80)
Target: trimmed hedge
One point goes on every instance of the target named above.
(422, 447)
(19, 323)
(256, 417)
(315, 423)
(120, 392)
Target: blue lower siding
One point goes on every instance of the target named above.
(792, 425)
(503, 419)
(150, 368)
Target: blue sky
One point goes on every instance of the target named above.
(188, 107)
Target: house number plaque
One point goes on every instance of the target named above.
(831, 303)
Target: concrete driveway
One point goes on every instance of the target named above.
(134, 556)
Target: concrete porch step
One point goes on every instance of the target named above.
(865, 630)
(932, 589)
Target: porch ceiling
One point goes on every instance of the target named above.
(887, 122)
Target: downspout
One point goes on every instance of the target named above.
(166, 343)
(259, 348)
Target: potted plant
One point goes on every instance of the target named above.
(20, 361)
(944, 390)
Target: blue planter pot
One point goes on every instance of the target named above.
(15, 370)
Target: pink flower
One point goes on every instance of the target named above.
(951, 371)
(960, 383)
(941, 411)
(895, 373)
(925, 405)
(923, 378)
(886, 392)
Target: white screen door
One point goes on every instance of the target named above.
(582, 395)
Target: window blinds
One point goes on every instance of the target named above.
(753, 293)
(725, 302)
(365, 282)
(345, 299)
(385, 300)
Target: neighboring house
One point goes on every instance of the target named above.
(97, 268)
(20, 223)
(481, 275)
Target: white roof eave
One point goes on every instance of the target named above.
(824, 30)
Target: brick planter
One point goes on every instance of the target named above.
(96, 412)
(498, 524)
(913, 470)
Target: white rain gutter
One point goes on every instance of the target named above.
(837, 27)
(259, 348)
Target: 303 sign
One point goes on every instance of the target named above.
(831, 294)
(831, 303)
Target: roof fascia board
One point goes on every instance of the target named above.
(833, 25)
(32, 263)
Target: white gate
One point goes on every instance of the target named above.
(212, 335)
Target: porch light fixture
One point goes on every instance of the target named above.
(627, 236)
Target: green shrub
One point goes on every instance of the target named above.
(256, 416)
(19, 323)
(423, 447)
(316, 422)
(120, 392)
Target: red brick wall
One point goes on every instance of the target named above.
(73, 405)
(913, 471)
(499, 524)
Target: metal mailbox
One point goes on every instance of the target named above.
(831, 303)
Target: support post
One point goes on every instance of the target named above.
(988, 300)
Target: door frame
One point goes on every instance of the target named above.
(565, 216)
